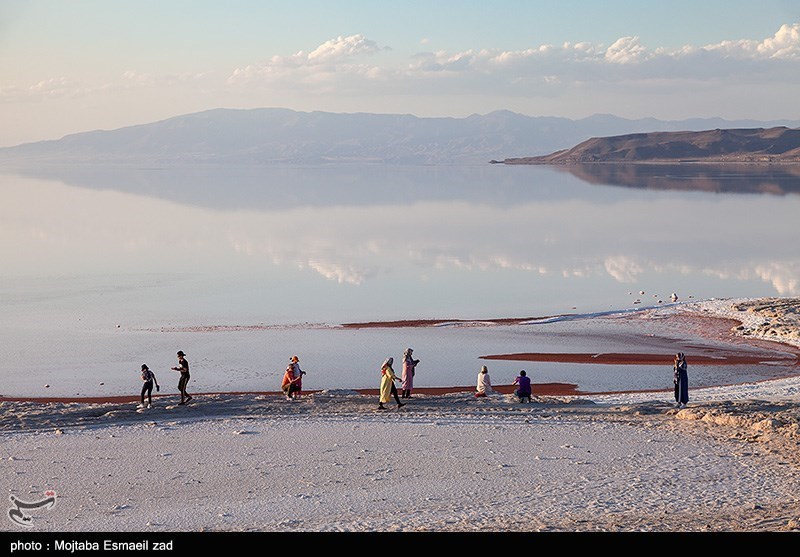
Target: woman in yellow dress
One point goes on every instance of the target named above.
(388, 390)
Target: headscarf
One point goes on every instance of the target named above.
(484, 369)
(680, 362)
(386, 363)
(407, 353)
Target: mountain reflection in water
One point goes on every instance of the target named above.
(775, 179)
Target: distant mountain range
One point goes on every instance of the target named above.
(274, 135)
(772, 145)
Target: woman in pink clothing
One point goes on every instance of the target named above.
(409, 364)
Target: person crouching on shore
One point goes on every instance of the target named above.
(524, 390)
(484, 383)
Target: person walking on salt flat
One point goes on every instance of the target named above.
(183, 368)
(388, 389)
(148, 377)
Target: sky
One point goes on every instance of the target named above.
(67, 67)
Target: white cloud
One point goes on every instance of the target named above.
(783, 45)
(132, 78)
(625, 51)
(446, 61)
(52, 86)
(45, 89)
(625, 76)
(621, 69)
(331, 57)
(340, 48)
(60, 87)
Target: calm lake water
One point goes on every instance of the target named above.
(105, 268)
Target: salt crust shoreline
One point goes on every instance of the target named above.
(332, 462)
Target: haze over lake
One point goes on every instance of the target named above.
(105, 268)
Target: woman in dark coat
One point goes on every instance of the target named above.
(681, 378)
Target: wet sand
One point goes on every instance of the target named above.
(543, 389)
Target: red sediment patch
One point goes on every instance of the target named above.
(435, 322)
(638, 359)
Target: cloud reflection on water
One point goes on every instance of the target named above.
(535, 223)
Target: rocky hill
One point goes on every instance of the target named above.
(758, 145)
